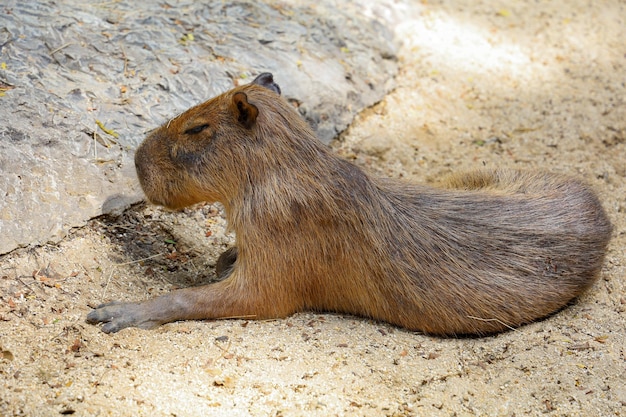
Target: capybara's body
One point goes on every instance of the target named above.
(490, 250)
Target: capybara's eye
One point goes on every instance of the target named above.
(196, 130)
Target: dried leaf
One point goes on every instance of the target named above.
(504, 13)
(6, 354)
(76, 346)
(101, 140)
(214, 371)
(225, 381)
(107, 130)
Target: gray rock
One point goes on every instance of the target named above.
(81, 84)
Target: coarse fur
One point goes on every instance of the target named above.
(487, 251)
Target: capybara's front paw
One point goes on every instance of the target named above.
(118, 315)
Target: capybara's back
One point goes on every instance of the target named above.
(491, 250)
(487, 251)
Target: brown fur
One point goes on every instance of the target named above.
(490, 250)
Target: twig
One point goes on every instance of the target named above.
(496, 320)
(248, 316)
(106, 286)
(25, 284)
(54, 51)
(125, 61)
(141, 260)
(172, 119)
(96, 384)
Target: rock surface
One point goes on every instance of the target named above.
(81, 84)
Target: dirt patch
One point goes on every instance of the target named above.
(538, 87)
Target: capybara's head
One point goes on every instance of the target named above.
(212, 150)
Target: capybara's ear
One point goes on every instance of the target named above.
(266, 80)
(246, 112)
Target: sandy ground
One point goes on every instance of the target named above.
(511, 84)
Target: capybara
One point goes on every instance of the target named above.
(488, 251)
